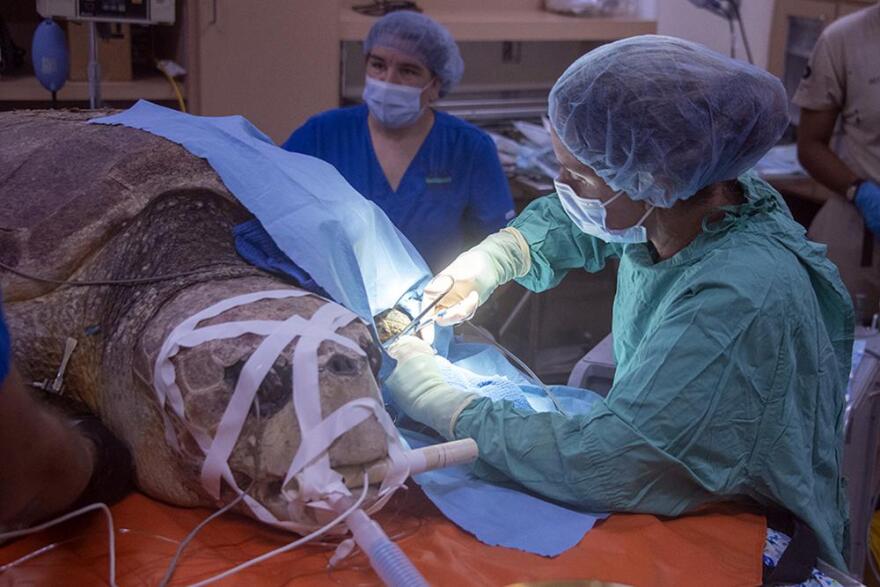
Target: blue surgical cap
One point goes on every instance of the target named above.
(661, 118)
(423, 38)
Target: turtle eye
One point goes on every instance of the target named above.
(340, 364)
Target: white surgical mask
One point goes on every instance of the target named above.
(394, 105)
(589, 215)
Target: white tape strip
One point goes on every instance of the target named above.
(318, 485)
(318, 479)
(163, 372)
(232, 422)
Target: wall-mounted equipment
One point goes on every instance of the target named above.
(131, 11)
(106, 11)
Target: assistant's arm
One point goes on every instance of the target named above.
(677, 429)
(821, 96)
(556, 245)
(815, 153)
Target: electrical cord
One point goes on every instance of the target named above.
(288, 547)
(171, 70)
(180, 103)
(172, 566)
(519, 363)
(182, 546)
(39, 528)
(132, 281)
(38, 552)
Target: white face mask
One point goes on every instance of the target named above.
(393, 105)
(589, 215)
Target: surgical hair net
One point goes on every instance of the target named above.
(423, 38)
(661, 118)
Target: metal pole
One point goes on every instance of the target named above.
(94, 68)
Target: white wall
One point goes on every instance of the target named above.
(680, 18)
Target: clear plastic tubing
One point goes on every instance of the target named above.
(386, 558)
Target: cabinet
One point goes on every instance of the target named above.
(276, 63)
(797, 25)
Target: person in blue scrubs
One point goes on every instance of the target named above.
(438, 178)
(51, 462)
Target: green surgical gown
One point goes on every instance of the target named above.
(732, 364)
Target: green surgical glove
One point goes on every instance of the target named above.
(420, 391)
(475, 274)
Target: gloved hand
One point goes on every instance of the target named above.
(420, 391)
(476, 274)
(868, 202)
(407, 347)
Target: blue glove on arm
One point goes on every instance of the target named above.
(868, 202)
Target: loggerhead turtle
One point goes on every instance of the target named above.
(96, 203)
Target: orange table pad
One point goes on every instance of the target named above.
(721, 547)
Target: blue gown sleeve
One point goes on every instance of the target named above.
(682, 425)
(304, 139)
(557, 245)
(490, 205)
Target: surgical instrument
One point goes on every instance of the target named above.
(417, 322)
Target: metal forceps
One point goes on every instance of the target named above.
(419, 321)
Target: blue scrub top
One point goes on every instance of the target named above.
(5, 351)
(453, 194)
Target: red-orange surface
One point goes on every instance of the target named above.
(720, 547)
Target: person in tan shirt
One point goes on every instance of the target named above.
(842, 82)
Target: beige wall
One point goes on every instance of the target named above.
(276, 63)
(233, 32)
(537, 65)
(680, 18)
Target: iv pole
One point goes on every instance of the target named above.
(94, 68)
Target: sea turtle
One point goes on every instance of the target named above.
(94, 203)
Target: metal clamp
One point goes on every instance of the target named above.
(56, 385)
(419, 321)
